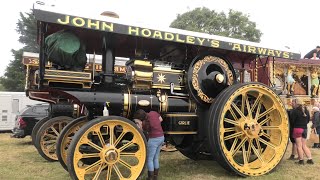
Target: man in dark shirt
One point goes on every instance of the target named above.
(313, 54)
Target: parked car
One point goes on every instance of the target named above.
(27, 118)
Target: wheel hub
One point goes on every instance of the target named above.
(251, 129)
(111, 156)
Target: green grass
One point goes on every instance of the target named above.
(20, 160)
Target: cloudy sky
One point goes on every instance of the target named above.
(284, 23)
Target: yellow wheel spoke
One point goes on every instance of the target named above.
(244, 154)
(54, 130)
(243, 100)
(266, 135)
(127, 154)
(257, 153)
(239, 146)
(237, 109)
(109, 171)
(249, 150)
(264, 121)
(270, 127)
(116, 169)
(229, 129)
(111, 134)
(234, 144)
(49, 141)
(258, 145)
(51, 146)
(256, 102)
(126, 145)
(231, 136)
(94, 146)
(266, 112)
(119, 138)
(231, 121)
(91, 155)
(87, 169)
(258, 111)
(269, 144)
(60, 127)
(248, 108)
(50, 135)
(233, 114)
(100, 138)
(96, 176)
(125, 164)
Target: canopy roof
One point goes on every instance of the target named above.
(97, 26)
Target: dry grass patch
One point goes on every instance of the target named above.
(20, 160)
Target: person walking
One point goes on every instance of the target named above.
(156, 139)
(300, 118)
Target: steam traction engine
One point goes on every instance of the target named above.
(194, 80)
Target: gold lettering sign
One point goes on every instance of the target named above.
(168, 36)
(88, 23)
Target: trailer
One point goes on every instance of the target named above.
(11, 104)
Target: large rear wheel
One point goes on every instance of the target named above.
(107, 148)
(248, 129)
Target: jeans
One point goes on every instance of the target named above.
(154, 147)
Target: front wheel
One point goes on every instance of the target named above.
(248, 129)
(107, 148)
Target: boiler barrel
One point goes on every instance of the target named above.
(126, 103)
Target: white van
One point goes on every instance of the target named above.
(10, 105)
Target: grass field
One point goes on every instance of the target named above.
(20, 160)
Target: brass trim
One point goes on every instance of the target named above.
(125, 104)
(164, 102)
(27, 78)
(192, 106)
(129, 103)
(169, 70)
(180, 132)
(48, 71)
(142, 63)
(143, 75)
(178, 97)
(180, 115)
(67, 80)
(165, 86)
